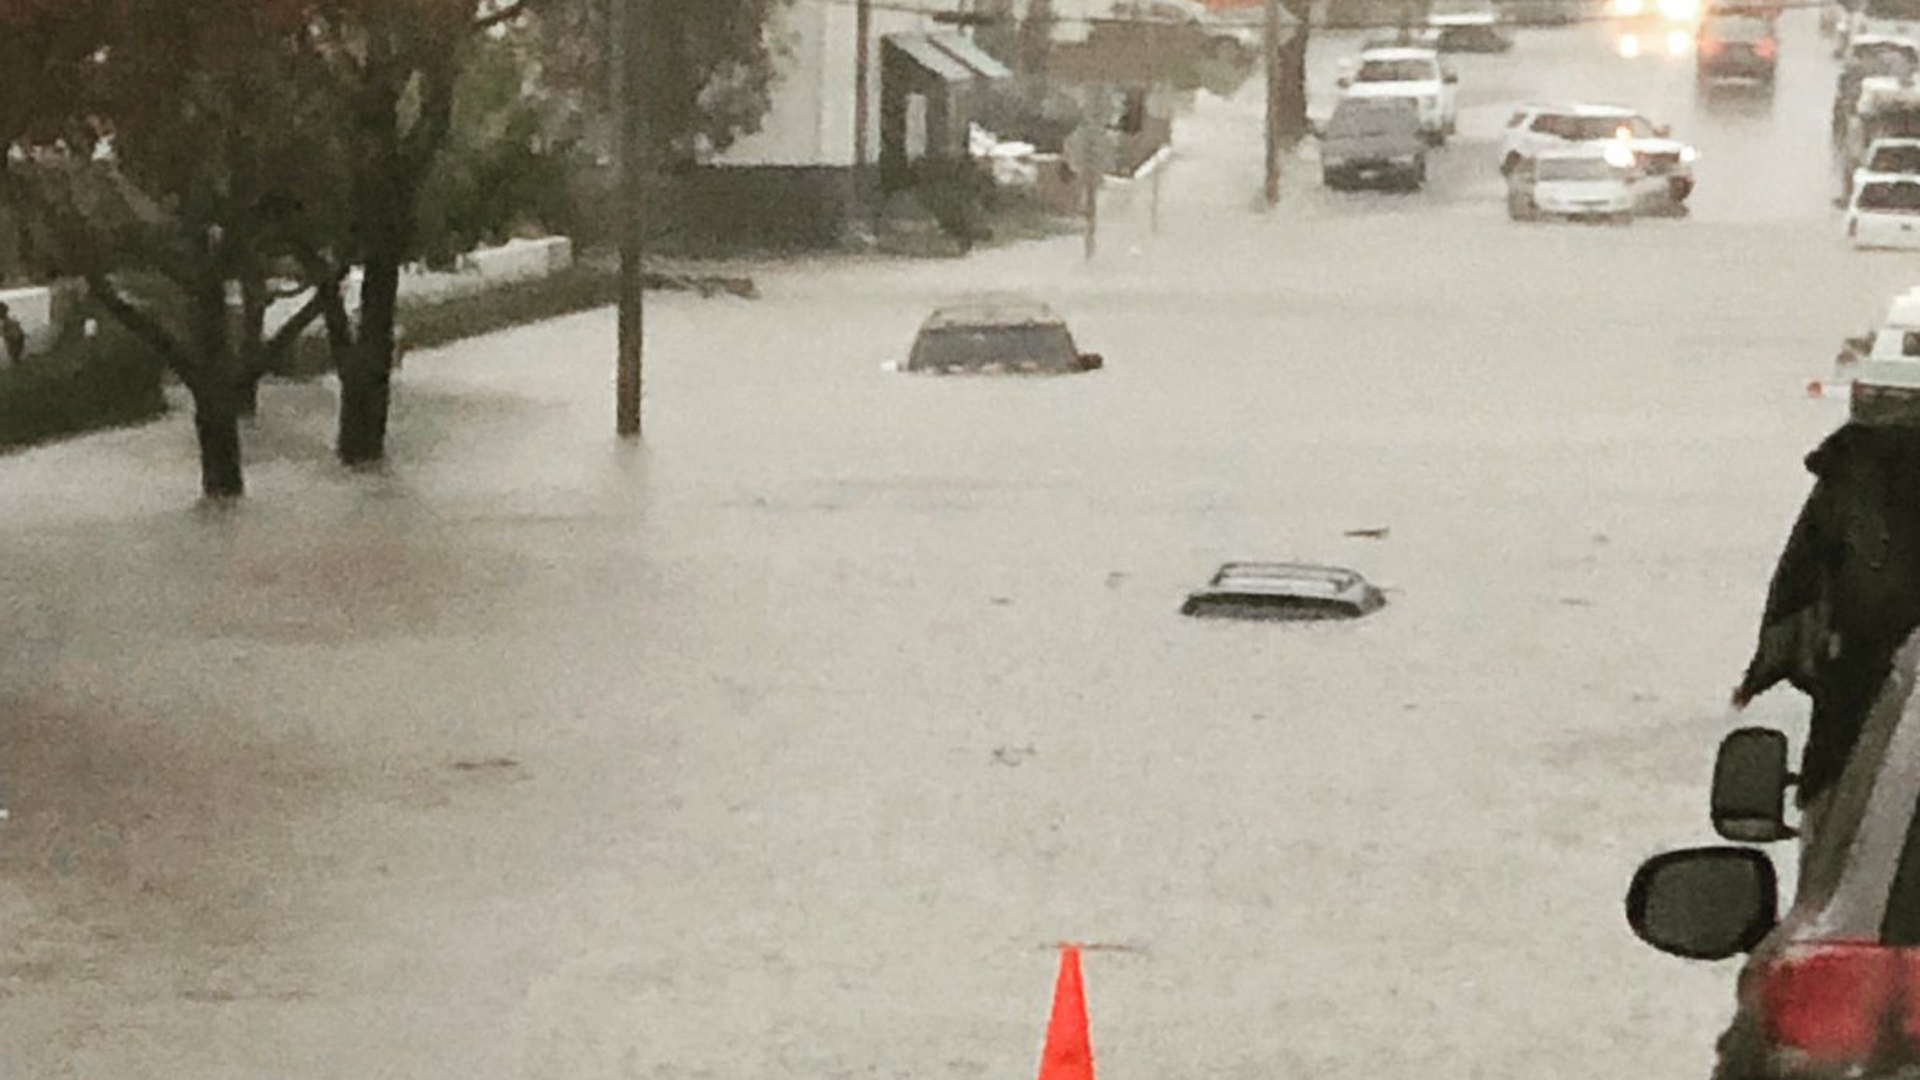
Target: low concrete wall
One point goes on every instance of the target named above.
(475, 272)
(33, 307)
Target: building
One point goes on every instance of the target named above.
(792, 182)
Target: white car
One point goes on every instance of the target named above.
(1886, 18)
(1666, 164)
(1593, 182)
(1890, 156)
(1884, 211)
(1408, 72)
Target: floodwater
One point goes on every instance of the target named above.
(789, 744)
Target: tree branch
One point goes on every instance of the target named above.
(143, 326)
(504, 15)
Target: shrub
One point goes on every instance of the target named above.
(81, 384)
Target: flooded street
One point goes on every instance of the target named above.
(789, 745)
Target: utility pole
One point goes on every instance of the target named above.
(862, 88)
(630, 148)
(1273, 103)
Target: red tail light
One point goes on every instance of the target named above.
(1765, 48)
(1833, 1002)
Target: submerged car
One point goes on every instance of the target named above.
(1593, 182)
(1830, 989)
(1414, 73)
(1470, 32)
(997, 336)
(1284, 591)
(1373, 140)
(1666, 164)
(1884, 211)
(1736, 46)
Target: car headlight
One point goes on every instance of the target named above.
(1679, 9)
(1688, 155)
(1619, 155)
(1629, 8)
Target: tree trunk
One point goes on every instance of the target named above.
(217, 422)
(216, 396)
(253, 332)
(366, 377)
(1293, 64)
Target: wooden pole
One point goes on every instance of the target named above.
(630, 149)
(1273, 103)
(862, 90)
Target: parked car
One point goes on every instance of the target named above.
(1284, 591)
(1894, 156)
(1735, 47)
(994, 335)
(1653, 26)
(1666, 164)
(1867, 58)
(1828, 989)
(1594, 182)
(1410, 73)
(1373, 140)
(1479, 32)
(1886, 18)
(1885, 211)
(1897, 338)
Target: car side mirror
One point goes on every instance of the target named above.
(1092, 361)
(1750, 781)
(1344, 82)
(1451, 78)
(1706, 903)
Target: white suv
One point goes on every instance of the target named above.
(1411, 73)
(1665, 162)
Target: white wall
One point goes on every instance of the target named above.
(811, 121)
(33, 309)
(478, 271)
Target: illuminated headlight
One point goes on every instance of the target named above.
(1629, 8)
(1678, 42)
(1619, 155)
(1629, 46)
(1679, 9)
(1688, 155)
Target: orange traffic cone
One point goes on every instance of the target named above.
(1069, 1051)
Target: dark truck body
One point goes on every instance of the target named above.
(1374, 140)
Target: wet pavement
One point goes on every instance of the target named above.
(789, 743)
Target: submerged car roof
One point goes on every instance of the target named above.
(1293, 579)
(993, 311)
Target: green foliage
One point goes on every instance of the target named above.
(80, 385)
(497, 173)
(708, 68)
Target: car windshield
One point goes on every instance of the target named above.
(1896, 159)
(1737, 28)
(1901, 196)
(1357, 117)
(1884, 59)
(1042, 346)
(1894, 10)
(1410, 70)
(1578, 168)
